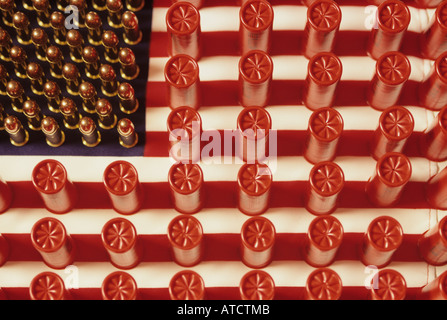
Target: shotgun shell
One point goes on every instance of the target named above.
(257, 242)
(393, 171)
(187, 285)
(196, 3)
(392, 72)
(186, 184)
(393, 18)
(47, 286)
(256, 22)
(50, 180)
(51, 240)
(323, 23)
(434, 38)
(254, 184)
(323, 75)
(434, 139)
(185, 234)
(433, 244)
(257, 285)
(185, 131)
(182, 76)
(183, 23)
(433, 90)
(437, 289)
(5, 196)
(396, 125)
(428, 3)
(383, 237)
(124, 189)
(119, 286)
(435, 192)
(323, 134)
(255, 78)
(120, 240)
(323, 284)
(388, 284)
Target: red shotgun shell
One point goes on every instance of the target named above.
(254, 125)
(47, 286)
(196, 3)
(437, 289)
(257, 285)
(5, 196)
(323, 284)
(257, 242)
(124, 189)
(254, 182)
(185, 234)
(255, 77)
(323, 240)
(433, 90)
(428, 3)
(186, 182)
(187, 285)
(396, 125)
(435, 190)
(4, 251)
(433, 244)
(183, 23)
(185, 131)
(435, 38)
(393, 171)
(383, 237)
(323, 22)
(388, 284)
(120, 240)
(392, 72)
(393, 19)
(326, 181)
(119, 286)
(182, 77)
(256, 22)
(51, 182)
(323, 75)
(323, 134)
(434, 139)
(51, 240)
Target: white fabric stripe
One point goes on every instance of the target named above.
(285, 67)
(158, 275)
(286, 17)
(150, 169)
(283, 118)
(214, 220)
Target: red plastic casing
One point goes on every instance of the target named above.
(437, 289)
(119, 286)
(257, 285)
(185, 131)
(5, 196)
(123, 187)
(47, 286)
(254, 125)
(119, 238)
(323, 134)
(182, 77)
(4, 250)
(185, 233)
(435, 190)
(428, 3)
(393, 171)
(383, 237)
(433, 244)
(434, 139)
(255, 77)
(50, 180)
(433, 90)
(323, 75)
(323, 284)
(323, 23)
(393, 18)
(388, 284)
(183, 24)
(196, 3)
(187, 285)
(434, 38)
(396, 125)
(392, 72)
(51, 240)
(257, 242)
(256, 22)
(186, 184)
(254, 184)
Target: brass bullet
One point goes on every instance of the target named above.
(55, 137)
(4, 78)
(57, 21)
(135, 5)
(107, 119)
(75, 42)
(129, 68)
(72, 78)
(115, 9)
(128, 135)
(89, 96)
(55, 58)
(90, 135)
(7, 8)
(82, 7)
(33, 113)
(132, 33)
(16, 93)
(3, 116)
(53, 94)
(110, 42)
(128, 103)
(42, 7)
(91, 60)
(21, 24)
(109, 86)
(17, 134)
(94, 26)
(40, 40)
(99, 5)
(36, 75)
(70, 113)
(5, 45)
